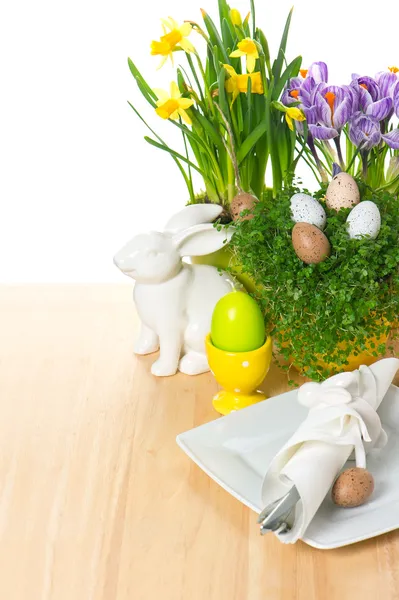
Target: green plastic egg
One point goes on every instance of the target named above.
(237, 323)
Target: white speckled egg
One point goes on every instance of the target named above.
(364, 220)
(305, 209)
(342, 192)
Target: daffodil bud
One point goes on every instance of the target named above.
(235, 17)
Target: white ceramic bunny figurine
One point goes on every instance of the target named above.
(175, 300)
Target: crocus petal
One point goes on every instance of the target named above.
(371, 86)
(386, 82)
(365, 98)
(323, 133)
(342, 113)
(364, 131)
(287, 99)
(319, 72)
(324, 110)
(392, 139)
(381, 109)
(311, 114)
(395, 96)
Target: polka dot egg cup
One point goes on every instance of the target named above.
(239, 374)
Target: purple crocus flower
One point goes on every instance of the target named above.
(395, 95)
(335, 105)
(318, 71)
(365, 132)
(303, 88)
(374, 95)
(386, 81)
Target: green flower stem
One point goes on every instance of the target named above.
(190, 179)
(339, 152)
(207, 90)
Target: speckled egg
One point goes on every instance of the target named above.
(243, 201)
(310, 244)
(364, 220)
(353, 487)
(305, 209)
(342, 192)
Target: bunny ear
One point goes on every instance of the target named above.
(191, 215)
(201, 239)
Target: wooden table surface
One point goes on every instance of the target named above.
(97, 502)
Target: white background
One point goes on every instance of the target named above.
(76, 178)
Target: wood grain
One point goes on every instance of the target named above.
(97, 502)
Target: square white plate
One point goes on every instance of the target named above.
(236, 450)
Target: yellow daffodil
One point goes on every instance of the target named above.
(172, 105)
(235, 17)
(174, 38)
(293, 114)
(393, 69)
(239, 83)
(248, 48)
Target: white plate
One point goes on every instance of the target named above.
(236, 450)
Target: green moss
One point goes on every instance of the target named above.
(332, 309)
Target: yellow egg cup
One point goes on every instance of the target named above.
(239, 373)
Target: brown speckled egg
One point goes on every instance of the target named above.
(243, 201)
(342, 192)
(353, 487)
(310, 244)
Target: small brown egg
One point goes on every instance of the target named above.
(243, 201)
(342, 192)
(353, 487)
(310, 244)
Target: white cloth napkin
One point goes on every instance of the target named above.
(342, 418)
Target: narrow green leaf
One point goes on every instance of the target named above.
(181, 82)
(291, 71)
(182, 171)
(208, 128)
(261, 38)
(238, 108)
(222, 93)
(251, 140)
(145, 89)
(248, 116)
(223, 10)
(217, 61)
(210, 69)
(278, 63)
(173, 153)
(252, 3)
(227, 34)
(214, 36)
(245, 26)
(194, 72)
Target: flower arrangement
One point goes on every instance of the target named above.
(355, 118)
(238, 111)
(224, 104)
